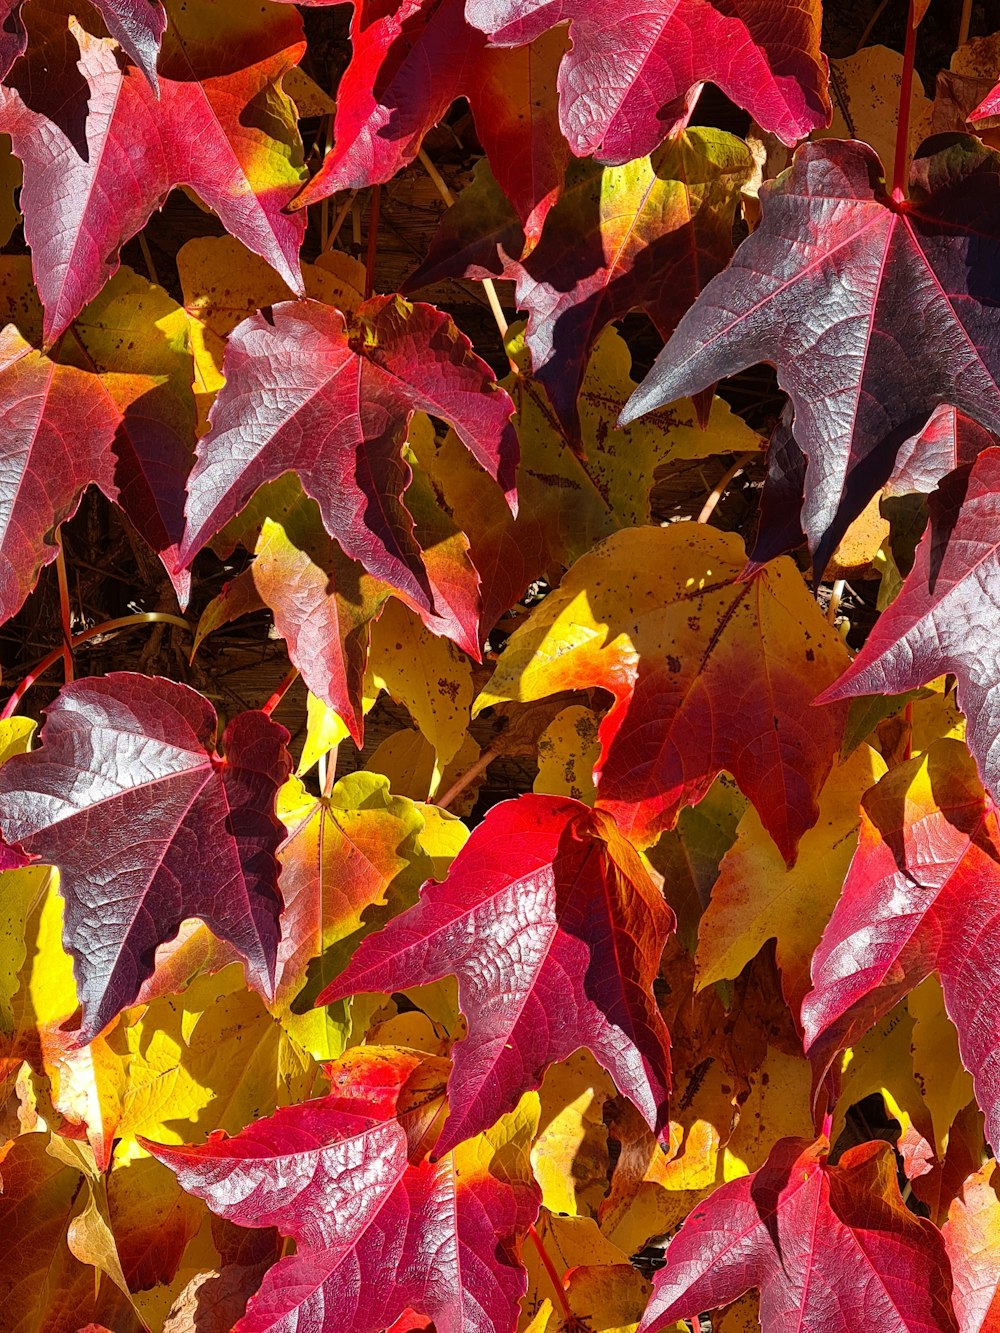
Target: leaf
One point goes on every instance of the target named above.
(865, 91)
(568, 750)
(92, 178)
(374, 1232)
(57, 431)
(625, 86)
(937, 623)
(827, 1247)
(599, 1290)
(545, 910)
(644, 236)
(972, 1237)
(757, 898)
(570, 1154)
(567, 503)
(223, 283)
(130, 752)
(700, 667)
(409, 64)
(873, 301)
(916, 900)
(342, 422)
(949, 440)
(427, 674)
(47, 1289)
(350, 862)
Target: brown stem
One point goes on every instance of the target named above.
(464, 779)
(94, 632)
(903, 117)
(708, 508)
(965, 22)
(373, 211)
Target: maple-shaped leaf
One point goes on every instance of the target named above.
(941, 620)
(628, 83)
(707, 673)
(378, 1228)
(644, 236)
(148, 825)
(58, 425)
(410, 62)
(874, 313)
(828, 1247)
(101, 151)
(554, 929)
(308, 393)
(920, 897)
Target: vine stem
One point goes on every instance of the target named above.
(551, 1272)
(903, 117)
(488, 285)
(708, 508)
(464, 779)
(373, 211)
(65, 614)
(965, 22)
(94, 632)
(276, 698)
(330, 776)
(836, 597)
(338, 221)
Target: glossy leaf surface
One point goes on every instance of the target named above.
(554, 930)
(130, 753)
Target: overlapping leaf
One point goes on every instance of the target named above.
(409, 63)
(919, 897)
(644, 236)
(627, 84)
(137, 25)
(707, 673)
(305, 393)
(58, 429)
(101, 150)
(554, 930)
(148, 825)
(827, 1246)
(941, 620)
(874, 313)
(379, 1229)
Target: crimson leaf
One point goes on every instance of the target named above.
(630, 81)
(410, 62)
(829, 1247)
(306, 393)
(377, 1230)
(101, 151)
(56, 439)
(944, 617)
(148, 826)
(920, 896)
(554, 930)
(874, 313)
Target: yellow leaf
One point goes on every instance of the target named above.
(757, 898)
(598, 1287)
(324, 731)
(568, 750)
(865, 88)
(882, 1062)
(426, 673)
(937, 1065)
(407, 759)
(570, 1154)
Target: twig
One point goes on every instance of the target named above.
(147, 255)
(708, 508)
(465, 779)
(94, 632)
(330, 776)
(64, 609)
(965, 22)
(880, 10)
(338, 221)
(489, 287)
(836, 597)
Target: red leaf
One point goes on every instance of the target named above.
(949, 440)
(554, 930)
(873, 312)
(920, 896)
(148, 825)
(56, 430)
(101, 151)
(944, 617)
(829, 1247)
(630, 82)
(137, 25)
(305, 393)
(375, 1233)
(410, 62)
(989, 106)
